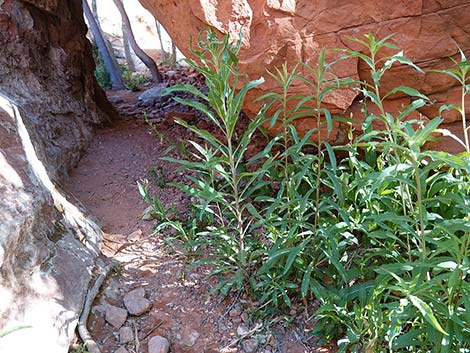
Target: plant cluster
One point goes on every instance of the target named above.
(380, 237)
(80, 348)
(101, 73)
(132, 80)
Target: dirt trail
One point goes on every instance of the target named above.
(106, 183)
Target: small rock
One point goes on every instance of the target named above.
(237, 320)
(250, 345)
(126, 334)
(116, 316)
(190, 338)
(151, 96)
(136, 303)
(134, 236)
(244, 317)
(149, 215)
(242, 330)
(203, 125)
(158, 344)
(112, 290)
(115, 99)
(121, 350)
(96, 321)
(234, 312)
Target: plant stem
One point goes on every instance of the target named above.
(420, 209)
(464, 120)
(403, 191)
(236, 196)
(286, 142)
(319, 155)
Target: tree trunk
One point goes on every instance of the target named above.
(127, 49)
(147, 60)
(94, 10)
(162, 47)
(173, 53)
(114, 70)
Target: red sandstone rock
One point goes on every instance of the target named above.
(276, 31)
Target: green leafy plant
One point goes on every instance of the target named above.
(461, 73)
(305, 167)
(81, 348)
(101, 73)
(403, 283)
(380, 238)
(133, 80)
(158, 175)
(117, 268)
(222, 181)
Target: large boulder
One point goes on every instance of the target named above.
(49, 105)
(278, 31)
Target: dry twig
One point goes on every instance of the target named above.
(89, 342)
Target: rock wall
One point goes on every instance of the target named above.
(48, 247)
(46, 68)
(49, 104)
(278, 31)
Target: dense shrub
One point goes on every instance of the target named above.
(380, 238)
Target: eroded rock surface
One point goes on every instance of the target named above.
(47, 248)
(49, 103)
(279, 31)
(46, 68)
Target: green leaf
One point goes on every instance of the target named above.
(406, 61)
(413, 106)
(272, 260)
(408, 91)
(185, 88)
(293, 254)
(306, 279)
(427, 313)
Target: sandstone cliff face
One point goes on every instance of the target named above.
(276, 31)
(49, 103)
